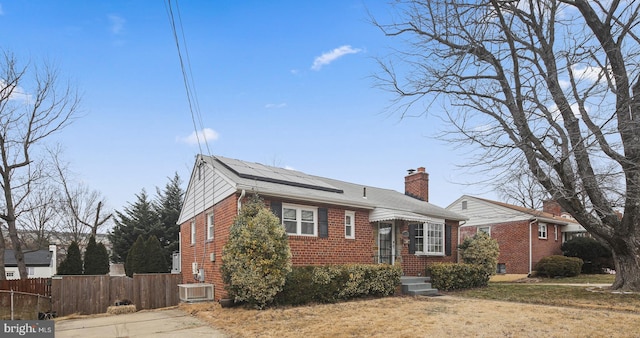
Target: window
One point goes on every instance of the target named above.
(502, 268)
(464, 205)
(210, 226)
(349, 224)
(485, 229)
(31, 271)
(300, 220)
(9, 274)
(542, 231)
(193, 232)
(555, 229)
(429, 239)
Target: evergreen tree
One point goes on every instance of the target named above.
(72, 264)
(135, 258)
(138, 219)
(155, 257)
(96, 258)
(168, 206)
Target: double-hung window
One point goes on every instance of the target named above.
(429, 239)
(542, 231)
(349, 224)
(300, 220)
(210, 226)
(485, 229)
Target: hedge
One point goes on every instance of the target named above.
(333, 283)
(455, 276)
(558, 266)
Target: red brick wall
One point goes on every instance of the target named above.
(513, 239)
(224, 213)
(413, 265)
(335, 249)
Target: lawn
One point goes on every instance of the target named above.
(501, 309)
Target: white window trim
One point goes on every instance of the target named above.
(351, 214)
(210, 226)
(425, 240)
(487, 229)
(542, 234)
(193, 232)
(555, 229)
(299, 209)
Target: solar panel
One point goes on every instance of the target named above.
(264, 173)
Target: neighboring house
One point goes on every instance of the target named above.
(328, 221)
(524, 235)
(40, 263)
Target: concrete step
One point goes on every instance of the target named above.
(423, 292)
(412, 279)
(406, 287)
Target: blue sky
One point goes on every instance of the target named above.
(284, 83)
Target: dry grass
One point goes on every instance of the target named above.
(421, 316)
(122, 309)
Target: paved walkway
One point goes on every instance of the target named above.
(161, 323)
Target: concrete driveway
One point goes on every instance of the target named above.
(159, 323)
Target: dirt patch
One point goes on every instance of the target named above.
(418, 316)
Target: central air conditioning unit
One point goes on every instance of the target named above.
(196, 292)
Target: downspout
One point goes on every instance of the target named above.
(240, 200)
(535, 220)
(458, 251)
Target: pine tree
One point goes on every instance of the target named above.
(168, 206)
(138, 219)
(135, 258)
(155, 257)
(72, 264)
(96, 258)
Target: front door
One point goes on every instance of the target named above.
(386, 243)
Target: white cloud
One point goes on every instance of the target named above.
(289, 167)
(17, 93)
(275, 105)
(328, 57)
(587, 73)
(116, 24)
(1, 11)
(206, 134)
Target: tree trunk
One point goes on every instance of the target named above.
(626, 256)
(17, 248)
(3, 273)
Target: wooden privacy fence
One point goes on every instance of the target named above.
(40, 286)
(94, 294)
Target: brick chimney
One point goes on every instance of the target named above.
(552, 207)
(416, 184)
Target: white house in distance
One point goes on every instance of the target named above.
(40, 263)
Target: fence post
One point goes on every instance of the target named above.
(11, 304)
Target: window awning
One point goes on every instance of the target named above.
(382, 214)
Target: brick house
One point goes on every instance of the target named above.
(328, 221)
(524, 235)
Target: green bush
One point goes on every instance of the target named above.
(96, 260)
(558, 266)
(332, 283)
(256, 259)
(481, 250)
(596, 257)
(72, 264)
(456, 276)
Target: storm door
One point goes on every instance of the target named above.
(386, 243)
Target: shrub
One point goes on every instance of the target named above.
(481, 250)
(558, 266)
(135, 258)
(332, 283)
(96, 258)
(256, 259)
(72, 264)
(456, 276)
(155, 260)
(596, 257)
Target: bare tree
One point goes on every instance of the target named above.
(521, 188)
(80, 208)
(39, 220)
(33, 106)
(553, 82)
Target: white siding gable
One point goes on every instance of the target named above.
(207, 187)
(484, 213)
